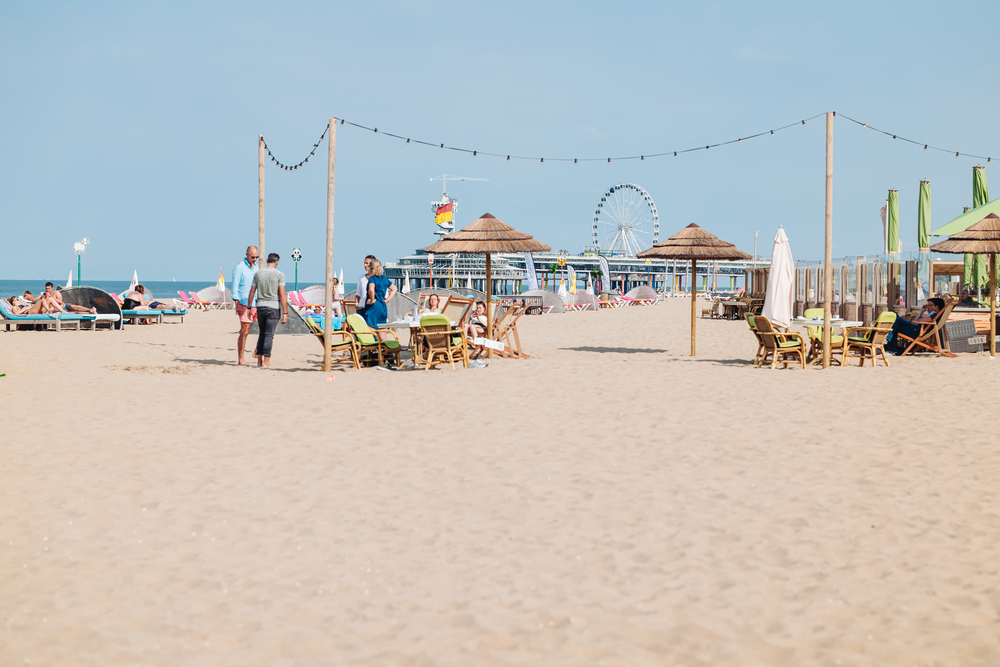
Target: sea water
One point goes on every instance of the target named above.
(158, 289)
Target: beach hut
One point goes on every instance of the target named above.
(982, 238)
(694, 243)
(485, 236)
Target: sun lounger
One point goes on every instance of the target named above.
(187, 300)
(153, 314)
(61, 320)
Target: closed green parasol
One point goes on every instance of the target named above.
(892, 240)
(980, 197)
(924, 236)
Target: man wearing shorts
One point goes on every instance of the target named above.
(242, 280)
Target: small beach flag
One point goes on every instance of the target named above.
(444, 213)
(468, 281)
(340, 283)
(221, 283)
(562, 289)
(406, 284)
(590, 284)
(69, 281)
(572, 280)
(135, 281)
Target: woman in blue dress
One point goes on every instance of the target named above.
(380, 292)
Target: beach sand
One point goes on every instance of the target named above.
(610, 502)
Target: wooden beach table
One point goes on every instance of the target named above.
(733, 310)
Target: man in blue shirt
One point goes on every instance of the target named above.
(242, 278)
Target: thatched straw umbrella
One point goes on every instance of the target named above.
(694, 243)
(982, 238)
(485, 236)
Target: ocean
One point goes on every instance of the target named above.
(160, 289)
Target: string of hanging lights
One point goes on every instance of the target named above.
(304, 162)
(641, 157)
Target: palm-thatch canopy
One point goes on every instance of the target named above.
(693, 242)
(486, 235)
(982, 238)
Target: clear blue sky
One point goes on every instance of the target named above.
(136, 123)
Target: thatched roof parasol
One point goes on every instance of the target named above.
(485, 236)
(982, 238)
(694, 243)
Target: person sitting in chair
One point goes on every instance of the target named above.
(477, 325)
(433, 307)
(967, 300)
(912, 329)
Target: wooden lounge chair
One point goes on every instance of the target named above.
(506, 332)
(816, 338)
(435, 342)
(931, 335)
(780, 346)
(760, 341)
(346, 343)
(869, 341)
(369, 341)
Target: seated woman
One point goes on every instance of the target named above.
(137, 300)
(912, 329)
(19, 306)
(433, 306)
(477, 325)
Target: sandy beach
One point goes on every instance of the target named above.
(612, 501)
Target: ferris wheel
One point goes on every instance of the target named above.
(625, 220)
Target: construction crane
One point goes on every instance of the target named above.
(446, 227)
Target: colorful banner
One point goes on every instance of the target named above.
(444, 213)
(605, 274)
(572, 280)
(529, 268)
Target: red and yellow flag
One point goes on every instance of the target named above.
(444, 213)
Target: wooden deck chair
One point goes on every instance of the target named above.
(457, 310)
(869, 341)
(780, 346)
(816, 338)
(499, 315)
(368, 340)
(424, 299)
(760, 341)
(506, 332)
(931, 335)
(436, 342)
(347, 344)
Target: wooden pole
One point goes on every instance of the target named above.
(328, 301)
(489, 306)
(262, 258)
(993, 305)
(694, 293)
(828, 248)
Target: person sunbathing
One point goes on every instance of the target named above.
(19, 306)
(55, 303)
(137, 300)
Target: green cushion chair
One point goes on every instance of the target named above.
(369, 341)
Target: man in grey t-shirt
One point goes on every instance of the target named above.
(269, 287)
